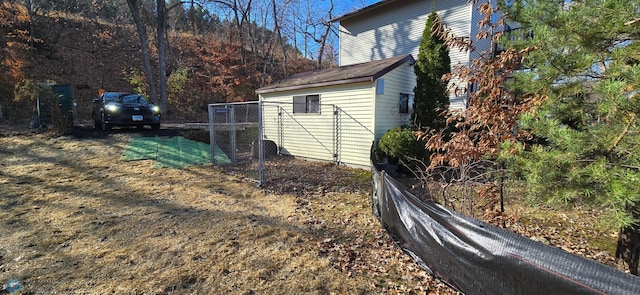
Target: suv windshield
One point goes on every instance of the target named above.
(133, 98)
(111, 97)
(125, 98)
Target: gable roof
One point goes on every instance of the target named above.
(362, 10)
(363, 72)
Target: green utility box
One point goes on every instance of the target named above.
(65, 101)
(63, 92)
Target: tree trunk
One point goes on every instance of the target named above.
(241, 14)
(629, 247)
(323, 39)
(162, 62)
(30, 14)
(192, 18)
(323, 42)
(278, 32)
(144, 45)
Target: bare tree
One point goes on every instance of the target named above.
(322, 41)
(162, 63)
(134, 6)
(176, 16)
(240, 14)
(281, 41)
(315, 28)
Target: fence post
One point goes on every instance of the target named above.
(212, 134)
(383, 186)
(261, 168)
(280, 127)
(232, 135)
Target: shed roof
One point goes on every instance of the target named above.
(363, 72)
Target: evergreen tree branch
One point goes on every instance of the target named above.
(623, 134)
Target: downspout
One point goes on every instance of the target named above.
(374, 94)
(336, 134)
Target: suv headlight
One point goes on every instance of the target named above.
(155, 109)
(111, 107)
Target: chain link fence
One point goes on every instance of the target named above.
(234, 135)
(249, 135)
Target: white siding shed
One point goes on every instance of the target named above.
(357, 104)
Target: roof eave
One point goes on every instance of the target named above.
(361, 11)
(408, 58)
(315, 85)
(368, 78)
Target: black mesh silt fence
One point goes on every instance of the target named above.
(478, 258)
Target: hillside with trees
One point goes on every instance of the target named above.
(92, 47)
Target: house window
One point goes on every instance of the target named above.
(306, 104)
(405, 104)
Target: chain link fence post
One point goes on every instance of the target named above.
(260, 142)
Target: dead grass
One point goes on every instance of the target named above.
(76, 218)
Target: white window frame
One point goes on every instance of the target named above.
(306, 104)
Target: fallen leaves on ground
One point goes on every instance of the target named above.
(78, 219)
(571, 230)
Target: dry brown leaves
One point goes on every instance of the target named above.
(308, 179)
(77, 219)
(317, 186)
(573, 230)
(335, 201)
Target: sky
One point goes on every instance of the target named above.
(350, 5)
(342, 7)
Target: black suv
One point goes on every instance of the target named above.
(124, 109)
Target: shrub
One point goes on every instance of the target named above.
(42, 105)
(401, 144)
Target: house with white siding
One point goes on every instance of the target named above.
(394, 27)
(336, 114)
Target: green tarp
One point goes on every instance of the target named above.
(173, 152)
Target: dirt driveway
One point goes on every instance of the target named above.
(76, 218)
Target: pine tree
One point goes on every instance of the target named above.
(586, 132)
(431, 97)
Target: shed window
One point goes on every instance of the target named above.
(306, 104)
